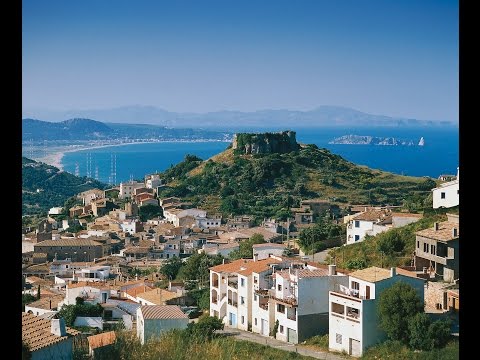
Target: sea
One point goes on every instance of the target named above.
(439, 155)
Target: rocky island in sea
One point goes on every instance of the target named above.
(373, 140)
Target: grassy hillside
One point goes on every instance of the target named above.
(54, 186)
(268, 184)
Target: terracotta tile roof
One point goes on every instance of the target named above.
(136, 250)
(399, 214)
(44, 302)
(137, 290)
(103, 339)
(69, 242)
(371, 274)
(158, 296)
(444, 232)
(93, 284)
(229, 246)
(162, 312)
(372, 215)
(39, 255)
(36, 332)
(245, 266)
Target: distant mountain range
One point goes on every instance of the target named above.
(87, 129)
(318, 117)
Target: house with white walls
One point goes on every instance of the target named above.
(91, 292)
(370, 222)
(375, 221)
(175, 215)
(153, 320)
(353, 317)
(447, 195)
(299, 300)
(265, 250)
(231, 290)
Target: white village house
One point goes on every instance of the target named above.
(152, 320)
(447, 194)
(353, 321)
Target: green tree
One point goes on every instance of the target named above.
(205, 327)
(70, 312)
(418, 332)
(171, 267)
(38, 292)
(27, 299)
(147, 212)
(439, 333)
(245, 250)
(397, 305)
(390, 242)
(309, 238)
(201, 297)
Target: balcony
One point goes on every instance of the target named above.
(287, 301)
(233, 284)
(262, 292)
(263, 306)
(233, 303)
(354, 293)
(215, 284)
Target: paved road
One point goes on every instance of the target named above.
(301, 349)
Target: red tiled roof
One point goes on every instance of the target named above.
(162, 312)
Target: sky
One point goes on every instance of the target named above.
(388, 57)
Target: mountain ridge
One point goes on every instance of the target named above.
(325, 115)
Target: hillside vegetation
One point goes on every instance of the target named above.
(54, 186)
(394, 247)
(269, 184)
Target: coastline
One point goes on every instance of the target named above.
(56, 156)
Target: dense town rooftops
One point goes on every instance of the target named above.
(158, 296)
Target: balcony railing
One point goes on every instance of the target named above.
(233, 284)
(263, 306)
(350, 292)
(292, 317)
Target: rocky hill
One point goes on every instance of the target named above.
(265, 143)
(266, 183)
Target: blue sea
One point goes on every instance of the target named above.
(440, 155)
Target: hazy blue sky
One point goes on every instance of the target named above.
(390, 57)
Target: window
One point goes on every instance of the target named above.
(281, 308)
(243, 319)
(279, 287)
(355, 285)
(357, 223)
(242, 301)
(255, 280)
(255, 297)
(281, 329)
(442, 195)
(255, 321)
(357, 237)
(433, 250)
(425, 247)
(338, 338)
(418, 244)
(242, 282)
(458, 192)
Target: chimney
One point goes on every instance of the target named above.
(454, 232)
(332, 270)
(223, 261)
(58, 327)
(435, 226)
(255, 257)
(393, 271)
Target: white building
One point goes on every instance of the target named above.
(222, 249)
(299, 300)
(153, 181)
(127, 189)
(91, 292)
(93, 273)
(264, 251)
(374, 221)
(173, 216)
(130, 226)
(152, 320)
(208, 222)
(55, 211)
(447, 194)
(353, 318)
(231, 290)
